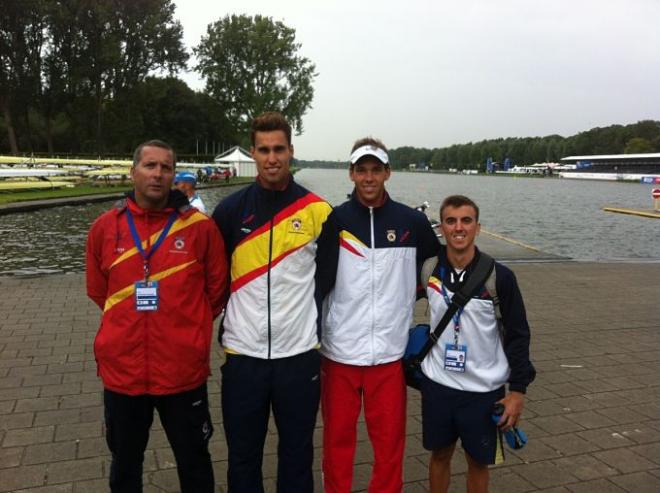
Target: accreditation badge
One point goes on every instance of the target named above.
(455, 357)
(146, 296)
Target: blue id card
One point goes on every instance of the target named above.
(146, 296)
(455, 357)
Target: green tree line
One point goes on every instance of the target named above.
(99, 76)
(640, 137)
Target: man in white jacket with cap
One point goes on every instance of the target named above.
(366, 320)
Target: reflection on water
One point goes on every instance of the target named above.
(46, 241)
(562, 217)
(53, 240)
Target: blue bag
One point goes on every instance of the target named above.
(417, 338)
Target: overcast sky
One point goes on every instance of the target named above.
(431, 73)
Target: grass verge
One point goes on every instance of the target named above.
(9, 197)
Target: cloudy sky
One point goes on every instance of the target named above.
(431, 73)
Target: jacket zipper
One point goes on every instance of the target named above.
(373, 295)
(146, 317)
(270, 258)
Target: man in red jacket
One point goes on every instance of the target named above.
(157, 268)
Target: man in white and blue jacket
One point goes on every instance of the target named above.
(366, 318)
(467, 370)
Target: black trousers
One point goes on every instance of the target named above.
(250, 387)
(187, 423)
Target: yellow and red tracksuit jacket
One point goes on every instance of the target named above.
(165, 351)
(271, 238)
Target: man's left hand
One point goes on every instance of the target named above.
(513, 407)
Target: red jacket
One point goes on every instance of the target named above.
(165, 351)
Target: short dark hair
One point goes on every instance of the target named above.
(137, 155)
(368, 141)
(458, 201)
(270, 122)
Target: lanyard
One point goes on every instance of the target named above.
(457, 316)
(138, 243)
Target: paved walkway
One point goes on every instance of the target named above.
(593, 415)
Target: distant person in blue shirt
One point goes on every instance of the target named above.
(186, 182)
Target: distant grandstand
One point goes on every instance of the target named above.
(614, 163)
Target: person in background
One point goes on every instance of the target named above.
(270, 337)
(466, 371)
(366, 318)
(156, 267)
(186, 182)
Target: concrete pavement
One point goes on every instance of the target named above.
(592, 416)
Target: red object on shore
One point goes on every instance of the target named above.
(655, 193)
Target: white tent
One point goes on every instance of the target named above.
(238, 159)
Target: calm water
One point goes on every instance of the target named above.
(562, 217)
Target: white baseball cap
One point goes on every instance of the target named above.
(369, 150)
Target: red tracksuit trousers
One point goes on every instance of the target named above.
(383, 390)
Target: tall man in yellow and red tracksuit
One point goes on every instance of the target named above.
(156, 267)
(270, 334)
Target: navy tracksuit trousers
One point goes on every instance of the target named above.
(187, 424)
(250, 387)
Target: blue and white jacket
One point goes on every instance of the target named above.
(367, 314)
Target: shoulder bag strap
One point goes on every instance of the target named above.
(491, 287)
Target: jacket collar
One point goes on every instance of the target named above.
(356, 201)
(175, 201)
(273, 193)
(468, 268)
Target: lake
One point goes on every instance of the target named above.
(558, 216)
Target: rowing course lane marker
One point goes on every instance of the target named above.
(633, 212)
(510, 240)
